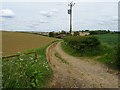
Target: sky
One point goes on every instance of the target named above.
(59, 0)
(52, 15)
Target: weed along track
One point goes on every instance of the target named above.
(74, 72)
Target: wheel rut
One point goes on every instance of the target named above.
(78, 72)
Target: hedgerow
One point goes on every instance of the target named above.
(83, 44)
(117, 57)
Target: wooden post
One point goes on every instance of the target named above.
(18, 56)
(36, 56)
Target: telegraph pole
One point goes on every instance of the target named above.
(71, 4)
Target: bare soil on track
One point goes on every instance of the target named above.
(79, 72)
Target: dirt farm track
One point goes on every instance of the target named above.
(13, 42)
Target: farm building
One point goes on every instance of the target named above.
(84, 33)
(81, 33)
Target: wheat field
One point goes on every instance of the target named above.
(13, 42)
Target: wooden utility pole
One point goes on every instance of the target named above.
(71, 4)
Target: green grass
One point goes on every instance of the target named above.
(108, 39)
(109, 44)
(26, 71)
(60, 58)
(106, 53)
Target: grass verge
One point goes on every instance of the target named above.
(26, 71)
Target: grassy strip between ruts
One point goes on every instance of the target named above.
(60, 58)
(25, 71)
(107, 53)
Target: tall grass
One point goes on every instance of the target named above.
(25, 71)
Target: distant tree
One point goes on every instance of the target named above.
(82, 30)
(92, 33)
(56, 34)
(51, 34)
(68, 34)
(76, 33)
(99, 32)
(86, 30)
(63, 32)
(108, 31)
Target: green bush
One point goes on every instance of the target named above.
(117, 57)
(51, 34)
(83, 44)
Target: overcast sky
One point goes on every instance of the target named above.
(51, 16)
(59, 0)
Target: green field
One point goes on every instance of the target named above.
(108, 39)
(109, 44)
(107, 53)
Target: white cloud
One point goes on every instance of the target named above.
(115, 18)
(44, 21)
(7, 13)
(46, 13)
(49, 13)
(54, 10)
(1, 19)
